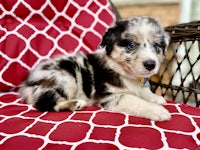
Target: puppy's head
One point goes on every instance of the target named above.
(137, 45)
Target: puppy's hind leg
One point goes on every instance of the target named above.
(73, 104)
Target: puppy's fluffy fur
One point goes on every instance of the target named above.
(131, 49)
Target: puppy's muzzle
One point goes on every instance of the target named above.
(149, 64)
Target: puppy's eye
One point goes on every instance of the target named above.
(157, 48)
(132, 46)
(155, 45)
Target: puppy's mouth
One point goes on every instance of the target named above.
(146, 74)
(139, 75)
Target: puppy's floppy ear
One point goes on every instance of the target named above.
(165, 42)
(112, 35)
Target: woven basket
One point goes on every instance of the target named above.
(179, 76)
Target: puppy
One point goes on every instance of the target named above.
(115, 77)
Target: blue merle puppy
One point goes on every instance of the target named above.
(114, 78)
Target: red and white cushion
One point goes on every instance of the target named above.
(94, 128)
(33, 31)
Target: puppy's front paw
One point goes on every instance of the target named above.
(159, 113)
(157, 99)
(160, 100)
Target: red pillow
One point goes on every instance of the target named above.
(33, 31)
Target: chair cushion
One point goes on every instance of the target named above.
(94, 128)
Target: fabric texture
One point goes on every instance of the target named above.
(94, 128)
(33, 31)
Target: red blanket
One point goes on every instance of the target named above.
(33, 31)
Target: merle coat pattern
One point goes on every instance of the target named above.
(132, 49)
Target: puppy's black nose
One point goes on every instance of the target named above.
(149, 65)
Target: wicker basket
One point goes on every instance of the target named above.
(179, 76)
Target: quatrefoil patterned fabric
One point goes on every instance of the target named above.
(32, 31)
(94, 128)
